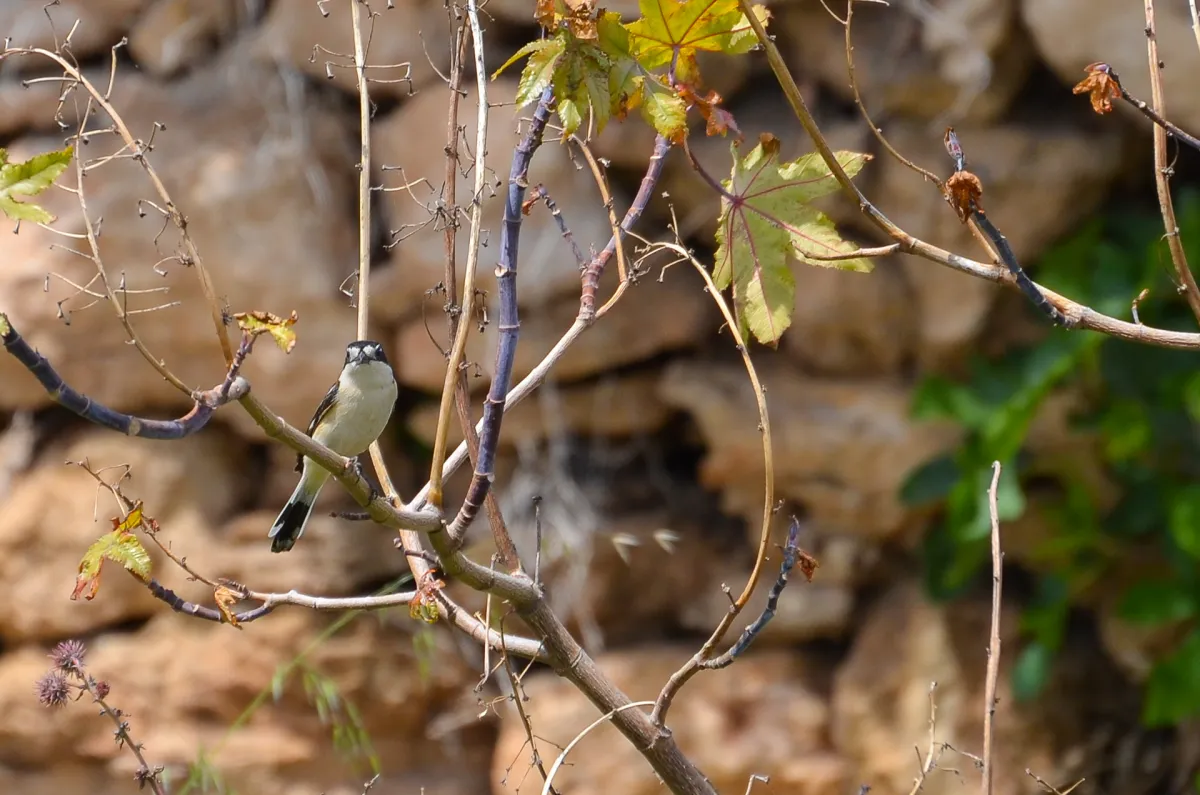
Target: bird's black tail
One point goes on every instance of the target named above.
(289, 525)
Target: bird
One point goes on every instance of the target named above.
(350, 417)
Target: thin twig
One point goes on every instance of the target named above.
(459, 348)
(993, 661)
(590, 272)
(791, 555)
(540, 193)
(183, 606)
(450, 210)
(862, 107)
(562, 757)
(1162, 169)
(117, 305)
(595, 269)
(1195, 21)
(518, 697)
(145, 773)
(139, 154)
(680, 677)
(363, 291)
(931, 755)
(456, 382)
(1144, 107)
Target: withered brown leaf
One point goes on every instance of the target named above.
(1101, 85)
(718, 121)
(963, 190)
(581, 19)
(225, 597)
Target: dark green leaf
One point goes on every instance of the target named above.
(931, 482)
(1173, 689)
(1031, 671)
(1157, 602)
(1185, 519)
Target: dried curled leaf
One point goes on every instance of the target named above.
(260, 322)
(964, 192)
(226, 597)
(29, 179)
(808, 564)
(1101, 85)
(718, 121)
(120, 546)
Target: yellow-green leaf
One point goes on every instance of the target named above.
(765, 220)
(544, 56)
(623, 70)
(29, 179)
(665, 111)
(259, 322)
(119, 546)
(673, 31)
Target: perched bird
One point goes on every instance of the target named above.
(352, 414)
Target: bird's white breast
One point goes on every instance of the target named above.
(365, 399)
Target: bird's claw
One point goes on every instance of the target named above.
(357, 468)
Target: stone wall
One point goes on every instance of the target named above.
(645, 449)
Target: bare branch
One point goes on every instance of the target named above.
(1078, 315)
(562, 757)
(791, 555)
(139, 150)
(680, 677)
(508, 329)
(993, 661)
(206, 403)
(1162, 169)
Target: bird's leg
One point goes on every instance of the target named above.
(356, 467)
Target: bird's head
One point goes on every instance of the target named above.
(365, 352)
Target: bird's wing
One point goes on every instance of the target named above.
(323, 408)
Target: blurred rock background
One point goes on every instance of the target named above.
(644, 449)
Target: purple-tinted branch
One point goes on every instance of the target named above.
(206, 403)
(181, 605)
(712, 181)
(508, 327)
(1031, 290)
(791, 554)
(595, 269)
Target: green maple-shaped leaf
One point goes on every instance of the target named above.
(581, 83)
(543, 55)
(610, 74)
(765, 220)
(663, 108)
(624, 75)
(120, 546)
(580, 71)
(673, 31)
(29, 179)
